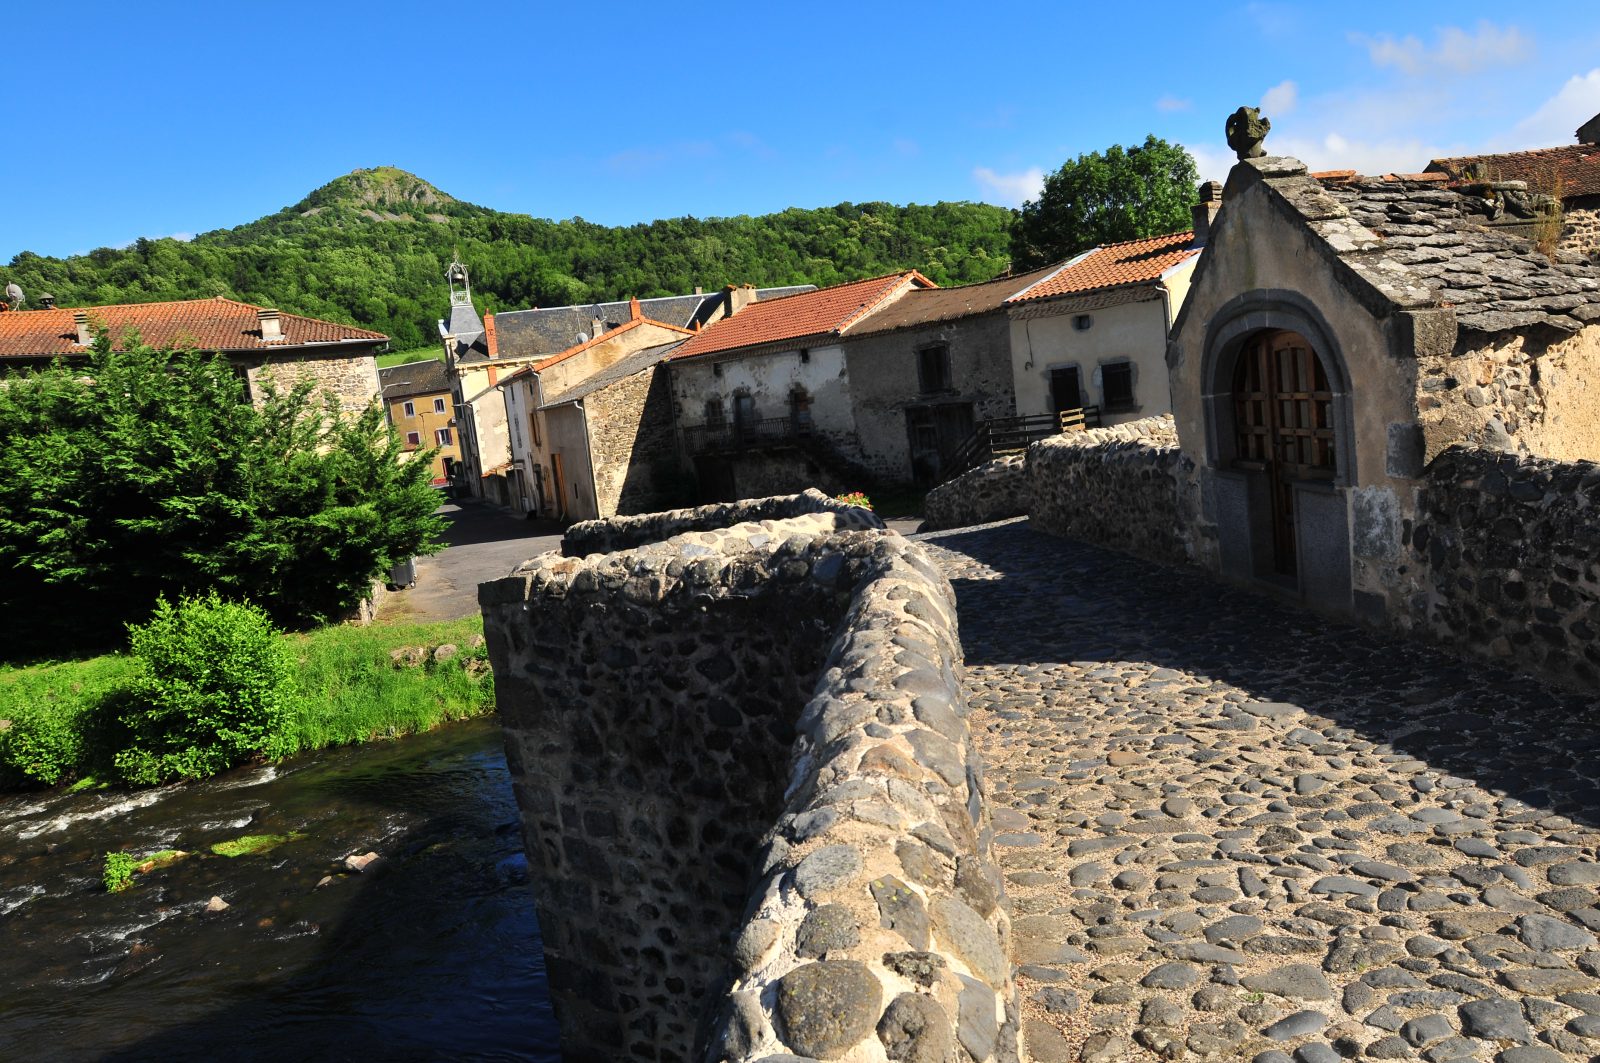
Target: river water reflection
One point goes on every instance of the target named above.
(433, 953)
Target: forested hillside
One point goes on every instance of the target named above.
(371, 248)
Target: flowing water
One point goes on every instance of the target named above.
(431, 953)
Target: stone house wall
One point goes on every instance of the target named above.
(1126, 487)
(884, 383)
(634, 445)
(353, 380)
(777, 704)
(994, 490)
(1581, 229)
(627, 532)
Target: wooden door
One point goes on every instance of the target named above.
(1283, 420)
(1065, 394)
(558, 486)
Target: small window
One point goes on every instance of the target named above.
(933, 368)
(438, 405)
(714, 411)
(533, 427)
(442, 437)
(1116, 386)
(411, 409)
(1083, 322)
(413, 439)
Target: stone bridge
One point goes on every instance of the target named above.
(1227, 830)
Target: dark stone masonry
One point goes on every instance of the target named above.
(753, 813)
(1507, 561)
(992, 491)
(624, 533)
(1126, 487)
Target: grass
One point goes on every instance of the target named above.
(419, 354)
(58, 721)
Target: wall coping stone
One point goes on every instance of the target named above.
(611, 534)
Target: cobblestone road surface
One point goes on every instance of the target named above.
(1231, 830)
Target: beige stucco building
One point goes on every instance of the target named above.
(417, 400)
(1092, 333)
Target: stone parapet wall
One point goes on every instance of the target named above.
(992, 491)
(753, 812)
(1127, 487)
(626, 532)
(1580, 230)
(1507, 553)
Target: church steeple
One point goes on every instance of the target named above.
(463, 325)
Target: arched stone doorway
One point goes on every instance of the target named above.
(1284, 430)
(1280, 450)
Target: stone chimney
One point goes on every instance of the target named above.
(80, 318)
(739, 296)
(271, 325)
(597, 327)
(1589, 132)
(1205, 211)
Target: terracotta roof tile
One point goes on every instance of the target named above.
(827, 312)
(931, 305)
(1575, 166)
(1114, 265)
(208, 324)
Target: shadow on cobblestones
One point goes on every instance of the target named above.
(1232, 830)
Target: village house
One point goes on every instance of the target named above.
(482, 351)
(925, 369)
(1091, 334)
(763, 397)
(263, 344)
(1570, 173)
(1339, 334)
(417, 400)
(591, 426)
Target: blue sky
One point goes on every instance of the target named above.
(157, 119)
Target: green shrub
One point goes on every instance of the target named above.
(39, 743)
(118, 871)
(213, 689)
(58, 720)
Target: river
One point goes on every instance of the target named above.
(431, 953)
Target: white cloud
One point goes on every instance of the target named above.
(1009, 189)
(1280, 98)
(1170, 103)
(1454, 50)
(1334, 151)
(1558, 118)
(1213, 161)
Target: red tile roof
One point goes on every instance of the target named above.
(1575, 166)
(207, 324)
(1114, 265)
(826, 312)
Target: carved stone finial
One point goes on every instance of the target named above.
(1246, 130)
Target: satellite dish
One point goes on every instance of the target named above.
(583, 337)
(14, 296)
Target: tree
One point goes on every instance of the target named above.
(1104, 198)
(145, 473)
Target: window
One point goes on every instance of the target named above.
(1116, 386)
(1083, 322)
(933, 368)
(533, 428)
(411, 409)
(413, 439)
(800, 411)
(442, 437)
(714, 411)
(438, 405)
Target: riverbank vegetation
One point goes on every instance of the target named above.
(142, 473)
(67, 721)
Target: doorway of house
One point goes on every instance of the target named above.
(1065, 390)
(1283, 425)
(558, 485)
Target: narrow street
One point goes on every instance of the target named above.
(482, 543)
(1229, 827)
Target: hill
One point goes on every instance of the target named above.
(371, 248)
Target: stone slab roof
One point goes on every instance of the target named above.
(413, 378)
(636, 362)
(522, 333)
(1418, 245)
(926, 306)
(204, 324)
